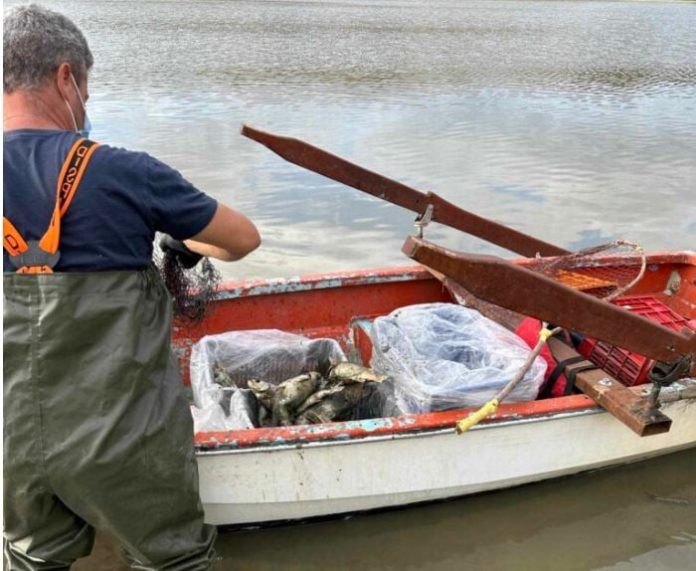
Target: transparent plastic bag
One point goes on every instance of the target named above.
(444, 356)
(269, 355)
(213, 417)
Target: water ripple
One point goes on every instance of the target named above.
(575, 121)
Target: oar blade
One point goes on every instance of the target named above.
(331, 166)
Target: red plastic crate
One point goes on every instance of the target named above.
(630, 368)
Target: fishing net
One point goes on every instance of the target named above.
(606, 271)
(193, 289)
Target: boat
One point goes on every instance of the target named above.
(270, 475)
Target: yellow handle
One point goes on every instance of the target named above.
(473, 419)
(544, 334)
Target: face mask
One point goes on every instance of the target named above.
(84, 132)
(87, 126)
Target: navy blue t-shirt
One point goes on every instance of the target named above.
(124, 197)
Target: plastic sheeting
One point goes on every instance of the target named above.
(443, 356)
(265, 354)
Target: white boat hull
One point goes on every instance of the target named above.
(286, 482)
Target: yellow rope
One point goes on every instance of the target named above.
(544, 334)
(492, 405)
(473, 419)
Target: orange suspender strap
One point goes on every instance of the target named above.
(12, 240)
(68, 182)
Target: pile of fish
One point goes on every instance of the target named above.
(310, 398)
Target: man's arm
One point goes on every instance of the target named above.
(229, 236)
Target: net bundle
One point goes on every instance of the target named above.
(193, 289)
(606, 271)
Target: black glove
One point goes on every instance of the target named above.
(187, 258)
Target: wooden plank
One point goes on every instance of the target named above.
(630, 407)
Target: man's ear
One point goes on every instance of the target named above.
(63, 81)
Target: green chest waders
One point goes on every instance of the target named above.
(97, 429)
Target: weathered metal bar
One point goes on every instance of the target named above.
(632, 409)
(516, 288)
(505, 317)
(338, 169)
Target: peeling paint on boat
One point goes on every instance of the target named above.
(233, 290)
(392, 427)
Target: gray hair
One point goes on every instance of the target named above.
(36, 41)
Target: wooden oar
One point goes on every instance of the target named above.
(338, 169)
(513, 287)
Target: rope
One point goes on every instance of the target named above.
(492, 405)
(577, 259)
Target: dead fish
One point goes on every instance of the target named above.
(337, 404)
(318, 396)
(325, 364)
(221, 376)
(352, 373)
(265, 417)
(263, 391)
(375, 402)
(291, 394)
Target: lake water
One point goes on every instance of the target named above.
(640, 517)
(573, 121)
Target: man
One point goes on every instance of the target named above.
(97, 429)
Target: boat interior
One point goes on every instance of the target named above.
(342, 306)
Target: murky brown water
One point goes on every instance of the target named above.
(640, 517)
(575, 121)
